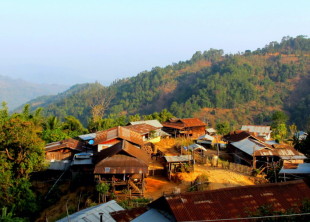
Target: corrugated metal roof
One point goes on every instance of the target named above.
(93, 213)
(128, 215)
(196, 147)
(141, 128)
(206, 137)
(67, 143)
(261, 130)
(151, 215)
(118, 132)
(83, 159)
(59, 164)
(235, 202)
(184, 123)
(181, 158)
(89, 136)
(174, 125)
(121, 148)
(236, 135)
(285, 152)
(121, 164)
(191, 122)
(248, 145)
(302, 168)
(154, 123)
(211, 130)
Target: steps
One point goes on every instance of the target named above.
(133, 185)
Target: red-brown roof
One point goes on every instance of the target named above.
(141, 128)
(123, 147)
(283, 151)
(67, 143)
(183, 123)
(236, 135)
(118, 132)
(121, 164)
(233, 202)
(191, 122)
(128, 215)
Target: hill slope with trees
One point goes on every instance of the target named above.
(239, 88)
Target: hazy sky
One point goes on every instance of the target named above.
(74, 41)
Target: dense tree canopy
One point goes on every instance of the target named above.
(21, 153)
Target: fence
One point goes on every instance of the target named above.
(218, 163)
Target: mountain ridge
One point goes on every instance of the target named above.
(16, 92)
(250, 84)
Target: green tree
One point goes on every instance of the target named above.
(279, 128)
(73, 127)
(103, 189)
(223, 128)
(21, 153)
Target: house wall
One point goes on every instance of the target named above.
(293, 161)
(198, 131)
(107, 144)
(63, 154)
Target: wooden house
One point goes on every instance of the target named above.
(255, 151)
(124, 166)
(108, 138)
(261, 131)
(60, 154)
(147, 132)
(153, 135)
(189, 127)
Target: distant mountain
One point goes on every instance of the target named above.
(241, 88)
(17, 92)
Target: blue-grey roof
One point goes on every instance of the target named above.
(271, 142)
(154, 123)
(248, 146)
(89, 136)
(92, 213)
(303, 168)
(196, 146)
(82, 159)
(151, 215)
(59, 164)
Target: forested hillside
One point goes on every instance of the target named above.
(240, 88)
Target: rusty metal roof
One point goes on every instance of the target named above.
(183, 123)
(236, 135)
(121, 164)
(191, 122)
(123, 147)
(67, 143)
(235, 202)
(284, 152)
(141, 128)
(128, 215)
(118, 132)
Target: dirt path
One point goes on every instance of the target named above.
(218, 178)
